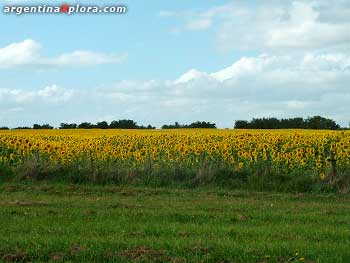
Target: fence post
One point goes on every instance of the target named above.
(268, 163)
(92, 166)
(333, 162)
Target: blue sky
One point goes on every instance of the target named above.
(168, 61)
(153, 51)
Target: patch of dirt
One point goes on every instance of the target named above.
(59, 257)
(200, 250)
(17, 256)
(146, 254)
(240, 218)
(90, 212)
(128, 193)
(136, 213)
(243, 217)
(121, 205)
(22, 203)
(72, 187)
(12, 188)
(136, 234)
(184, 234)
(76, 248)
(136, 192)
(178, 260)
(330, 212)
(46, 189)
(17, 188)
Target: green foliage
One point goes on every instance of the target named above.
(260, 177)
(102, 125)
(123, 124)
(316, 122)
(86, 125)
(197, 124)
(41, 127)
(68, 126)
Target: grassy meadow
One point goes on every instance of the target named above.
(70, 223)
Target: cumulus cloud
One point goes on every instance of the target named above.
(274, 26)
(192, 74)
(48, 95)
(256, 86)
(264, 85)
(197, 21)
(29, 53)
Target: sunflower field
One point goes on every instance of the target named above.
(190, 153)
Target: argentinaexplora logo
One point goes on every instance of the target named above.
(65, 9)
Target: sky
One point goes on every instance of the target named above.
(167, 61)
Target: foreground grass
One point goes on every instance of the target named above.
(41, 223)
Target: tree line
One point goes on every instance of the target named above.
(197, 124)
(316, 122)
(121, 124)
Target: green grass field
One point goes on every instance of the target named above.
(60, 223)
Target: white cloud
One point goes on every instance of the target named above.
(55, 94)
(190, 75)
(47, 95)
(296, 104)
(245, 66)
(265, 85)
(274, 26)
(85, 58)
(28, 53)
(22, 53)
(303, 29)
(199, 24)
